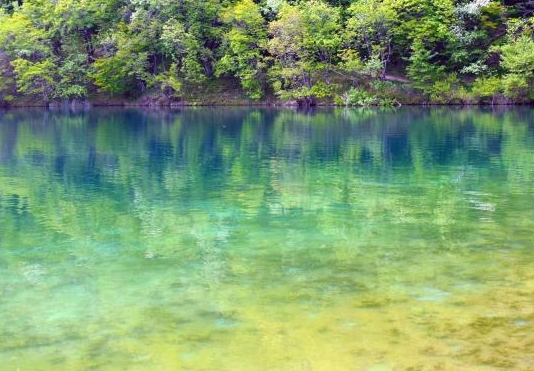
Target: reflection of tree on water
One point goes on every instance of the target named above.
(209, 219)
(192, 154)
(211, 244)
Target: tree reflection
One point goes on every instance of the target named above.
(258, 160)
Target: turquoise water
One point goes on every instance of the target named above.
(255, 239)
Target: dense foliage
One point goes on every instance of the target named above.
(346, 51)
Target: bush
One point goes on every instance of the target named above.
(443, 91)
(357, 96)
(486, 87)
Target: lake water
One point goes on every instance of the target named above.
(256, 239)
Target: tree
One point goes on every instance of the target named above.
(421, 20)
(35, 78)
(202, 23)
(517, 58)
(475, 25)
(370, 31)
(122, 68)
(28, 50)
(7, 80)
(304, 43)
(322, 36)
(487, 87)
(19, 37)
(183, 49)
(83, 19)
(168, 82)
(73, 80)
(289, 72)
(244, 46)
(421, 70)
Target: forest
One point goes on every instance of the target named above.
(305, 52)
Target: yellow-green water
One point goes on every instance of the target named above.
(219, 239)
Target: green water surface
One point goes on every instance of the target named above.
(255, 239)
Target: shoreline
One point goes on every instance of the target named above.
(89, 104)
(217, 100)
